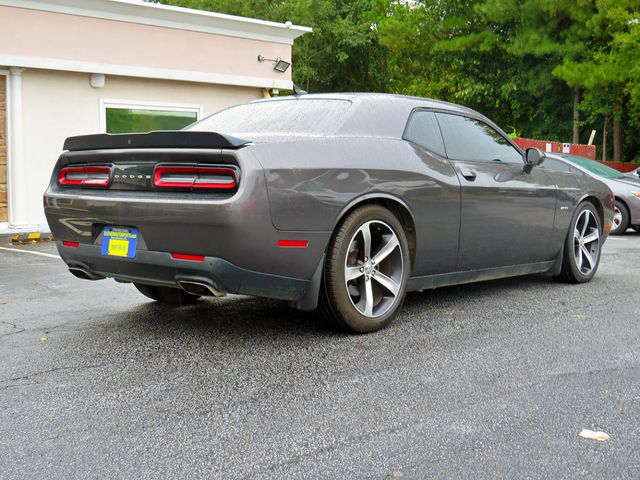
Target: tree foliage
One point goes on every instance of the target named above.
(518, 61)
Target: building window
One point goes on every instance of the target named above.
(120, 117)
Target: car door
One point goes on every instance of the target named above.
(507, 210)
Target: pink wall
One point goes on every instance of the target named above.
(69, 37)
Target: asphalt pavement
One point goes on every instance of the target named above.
(491, 380)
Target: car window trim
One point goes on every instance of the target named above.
(406, 127)
(486, 122)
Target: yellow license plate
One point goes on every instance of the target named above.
(119, 248)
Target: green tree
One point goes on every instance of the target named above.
(541, 67)
(342, 53)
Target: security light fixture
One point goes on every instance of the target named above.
(280, 65)
(97, 80)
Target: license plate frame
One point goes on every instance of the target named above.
(120, 242)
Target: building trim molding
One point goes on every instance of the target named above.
(142, 72)
(135, 11)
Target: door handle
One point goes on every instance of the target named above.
(468, 174)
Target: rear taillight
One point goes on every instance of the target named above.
(85, 176)
(196, 178)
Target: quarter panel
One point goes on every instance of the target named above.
(310, 183)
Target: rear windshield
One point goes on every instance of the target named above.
(278, 117)
(595, 167)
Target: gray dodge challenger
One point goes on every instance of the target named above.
(342, 202)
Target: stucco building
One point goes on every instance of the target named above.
(70, 67)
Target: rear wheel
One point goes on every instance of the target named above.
(366, 271)
(171, 296)
(581, 255)
(620, 219)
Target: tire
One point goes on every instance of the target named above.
(620, 219)
(581, 254)
(376, 287)
(167, 295)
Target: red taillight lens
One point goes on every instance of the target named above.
(85, 176)
(200, 178)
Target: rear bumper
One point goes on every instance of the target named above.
(232, 229)
(160, 268)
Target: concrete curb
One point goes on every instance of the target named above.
(28, 238)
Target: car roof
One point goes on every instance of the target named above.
(381, 98)
(381, 114)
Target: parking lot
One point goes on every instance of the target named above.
(490, 380)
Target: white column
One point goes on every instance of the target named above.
(16, 171)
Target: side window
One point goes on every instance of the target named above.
(555, 166)
(423, 130)
(469, 139)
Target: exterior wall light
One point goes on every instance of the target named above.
(279, 65)
(97, 80)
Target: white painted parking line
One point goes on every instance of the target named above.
(42, 254)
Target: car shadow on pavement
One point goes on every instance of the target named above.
(239, 315)
(231, 315)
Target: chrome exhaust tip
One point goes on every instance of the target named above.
(84, 274)
(200, 288)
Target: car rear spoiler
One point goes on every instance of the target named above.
(163, 139)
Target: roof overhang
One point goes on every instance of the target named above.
(135, 11)
(140, 39)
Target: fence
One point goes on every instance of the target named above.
(587, 151)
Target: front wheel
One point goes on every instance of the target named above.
(620, 219)
(581, 255)
(366, 270)
(171, 296)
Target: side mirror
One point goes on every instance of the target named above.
(533, 157)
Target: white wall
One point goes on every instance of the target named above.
(57, 105)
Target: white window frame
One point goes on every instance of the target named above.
(133, 104)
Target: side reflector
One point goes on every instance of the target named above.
(85, 176)
(608, 228)
(196, 178)
(293, 243)
(70, 244)
(184, 256)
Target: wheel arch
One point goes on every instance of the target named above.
(595, 201)
(396, 206)
(623, 202)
